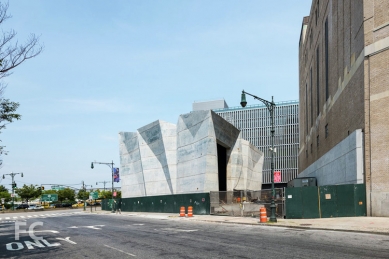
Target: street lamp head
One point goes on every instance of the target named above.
(243, 102)
(3, 177)
(22, 174)
(91, 165)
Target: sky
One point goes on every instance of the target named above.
(113, 66)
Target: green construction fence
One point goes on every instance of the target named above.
(326, 201)
(163, 203)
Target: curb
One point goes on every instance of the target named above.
(261, 224)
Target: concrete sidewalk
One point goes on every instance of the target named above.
(376, 225)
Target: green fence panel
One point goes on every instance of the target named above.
(302, 202)
(294, 203)
(310, 199)
(360, 199)
(165, 203)
(345, 200)
(328, 201)
(335, 201)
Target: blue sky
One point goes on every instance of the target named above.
(119, 65)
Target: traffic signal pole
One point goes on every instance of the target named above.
(13, 187)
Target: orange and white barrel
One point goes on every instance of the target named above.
(190, 211)
(262, 215)
(182, 211)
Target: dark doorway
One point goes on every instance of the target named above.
(222, 167)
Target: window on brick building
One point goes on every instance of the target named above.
(326, 56)
(317, 82)
(326, 130)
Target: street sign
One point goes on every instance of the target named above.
(94, 195)
(277, 176)
(49, 197)
(57, 187)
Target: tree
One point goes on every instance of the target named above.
(66, 194)
(3, 189)
(28, 192)
(82, 194)
(4, 193)
(12, 54)
(105, 195)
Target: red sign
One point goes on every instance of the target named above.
(277, 176)
(114, 194)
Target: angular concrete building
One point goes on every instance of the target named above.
(202, 153)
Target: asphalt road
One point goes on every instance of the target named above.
(73, 234)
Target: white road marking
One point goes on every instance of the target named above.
(67, 240)
(119, 250)
(92, 227)
(178, 230)
(7, 218)
(40, 231)
(15, 217)
(22, 216)
(29, 216)
(138, 224)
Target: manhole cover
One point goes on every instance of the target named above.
(305, 224)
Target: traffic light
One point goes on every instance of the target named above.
(42, 188)
(13, 185)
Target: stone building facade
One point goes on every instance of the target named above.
(202, 153)
(344, 96)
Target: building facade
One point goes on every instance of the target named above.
(254, 123)
(202, 153)
(344, 96)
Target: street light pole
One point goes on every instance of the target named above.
(104, 182)
(270, 106)
(13, 186)
(111, 166)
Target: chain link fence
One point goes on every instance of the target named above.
(246, 203)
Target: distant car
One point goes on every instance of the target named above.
(52, 206)
(22, 206)
(35, 207)
(66, 204)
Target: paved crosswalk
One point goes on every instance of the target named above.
(4, 218)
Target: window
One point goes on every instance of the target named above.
(317, 141)
(306, 106)
(316, 16)
(317, 82)
(310, 81)
(311, 148)
(306, 153)
(326, 130)
(326, 56)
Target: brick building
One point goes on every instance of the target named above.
(344, 97)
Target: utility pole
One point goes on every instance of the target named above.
(13, 186)
(103, 182)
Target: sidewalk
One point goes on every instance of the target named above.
(376, 225)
